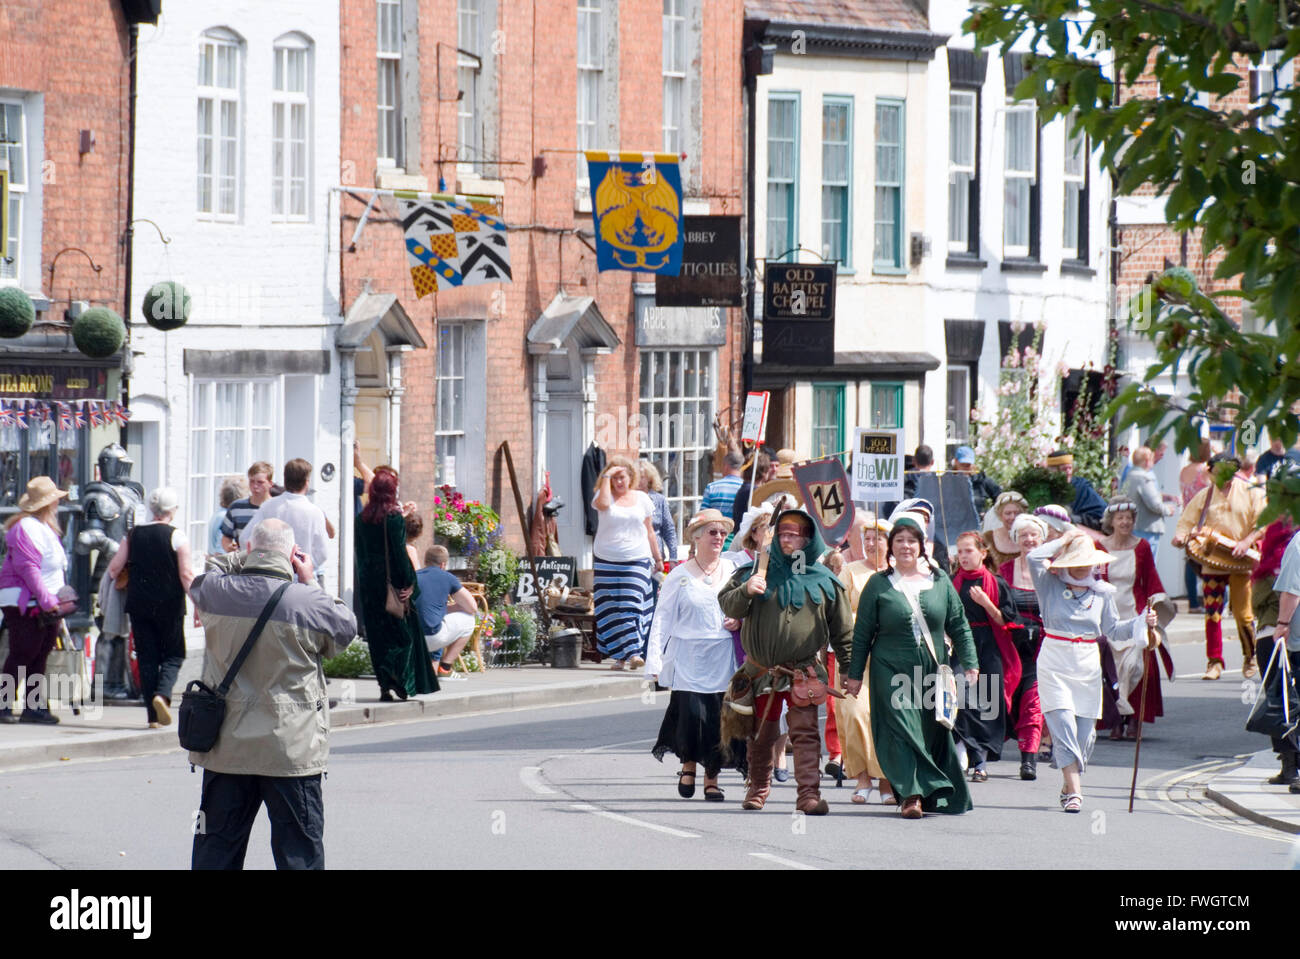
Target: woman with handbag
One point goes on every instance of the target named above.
(902, 618)
(387, 586)
(30, 580)
(1078, 610)
(157, 556)
(690, 653)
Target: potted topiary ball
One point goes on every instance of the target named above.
(167, 306)
(99, 332)
(17, 314)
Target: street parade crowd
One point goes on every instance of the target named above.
(1044, 627)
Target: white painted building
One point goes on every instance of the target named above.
(237, 146)
(885, 143)
(1016, 222)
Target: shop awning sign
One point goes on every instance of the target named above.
(825, 489)
(54, 382)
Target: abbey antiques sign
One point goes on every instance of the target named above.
(711, 271)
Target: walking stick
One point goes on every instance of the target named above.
(1142, 706)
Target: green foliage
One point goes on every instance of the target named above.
(1232, 171)
(1043, 487)
(17, 313)
(98, 332)
(523, 619)
(1020, 428)
(498, 571)
(352, 662)
(167, 306)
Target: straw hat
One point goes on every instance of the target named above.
(752, 516)
(704, 518)
(1081, 551)
(41, 492)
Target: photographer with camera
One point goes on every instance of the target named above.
(274, 738)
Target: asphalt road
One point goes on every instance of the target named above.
(576, 787)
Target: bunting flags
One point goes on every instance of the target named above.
(450, 243)
(66, 414)
(636, 202)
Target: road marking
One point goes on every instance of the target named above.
(1181, 793)
(784, 862)
(596, 811)
(531, 776)
(634, 742)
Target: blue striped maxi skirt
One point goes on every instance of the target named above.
(623, 606)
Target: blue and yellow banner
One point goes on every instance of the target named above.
(636, 202)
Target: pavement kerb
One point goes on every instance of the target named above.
(1242, 790)
(441, 705)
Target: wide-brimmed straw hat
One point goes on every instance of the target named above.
(1081, 551)
(752, 516)
(41, 492)
(704, 518)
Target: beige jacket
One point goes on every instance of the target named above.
(277, 710)
(1233, 511)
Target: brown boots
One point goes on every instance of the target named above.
(759, 755)
(807, 745)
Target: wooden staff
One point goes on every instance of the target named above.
(1142, 705)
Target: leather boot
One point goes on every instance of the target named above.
(1028, 766)
(1247, 637)
(759, 755)
(1289, 773)
(807, 760)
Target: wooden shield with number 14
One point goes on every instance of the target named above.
(825, 488)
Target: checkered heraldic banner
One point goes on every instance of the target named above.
(451, 243)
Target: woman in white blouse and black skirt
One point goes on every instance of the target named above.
(691, 653)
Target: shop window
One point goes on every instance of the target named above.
(887, 406)
(828, 420)
(678, 399)
(233, 424)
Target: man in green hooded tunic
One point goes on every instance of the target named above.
(790, 615)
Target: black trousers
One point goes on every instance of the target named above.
(229, 805)
(160, 648)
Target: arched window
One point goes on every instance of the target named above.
(290, 128)
(220, 85)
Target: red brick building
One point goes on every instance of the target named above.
(65, 84)
(494, 98)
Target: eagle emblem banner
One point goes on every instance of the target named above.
(636, 202)
(451, 243)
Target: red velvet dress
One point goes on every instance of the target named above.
(1146, 584)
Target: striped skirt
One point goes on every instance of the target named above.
(623, 607)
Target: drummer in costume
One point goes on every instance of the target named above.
(790, 612)
(1231, 513)
(1078, 611)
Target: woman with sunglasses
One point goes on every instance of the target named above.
(690, 652)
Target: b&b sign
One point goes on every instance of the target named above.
(548, 567)
(877, 465)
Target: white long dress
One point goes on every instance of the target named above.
(1069, 672)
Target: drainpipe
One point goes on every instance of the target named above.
(347, 503)
(757, 62)
(128, 238)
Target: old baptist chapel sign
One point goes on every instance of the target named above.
(799, 313)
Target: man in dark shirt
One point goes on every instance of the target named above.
(1276, 453)
(446, 608)
(1088, 506)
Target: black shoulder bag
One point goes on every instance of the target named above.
(203, 709)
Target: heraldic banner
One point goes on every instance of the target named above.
(453, 243)
(636, 201)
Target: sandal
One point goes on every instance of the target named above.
(1072, 803)
(618, 664)
(862, 797)
(888, 799)
(683, 790)
(714, 793)
(979, 776)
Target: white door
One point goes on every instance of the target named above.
(564, 450)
